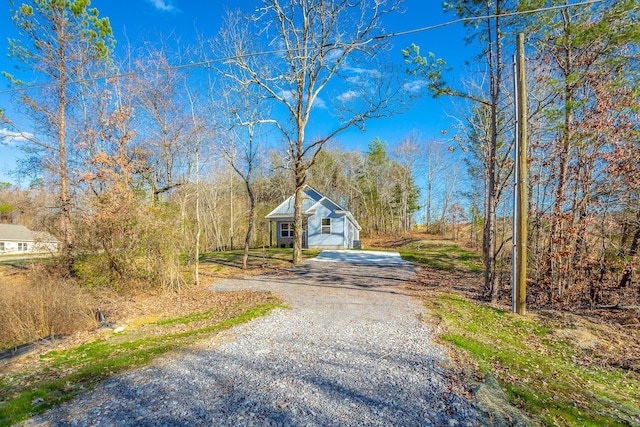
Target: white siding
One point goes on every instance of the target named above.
(17, 248)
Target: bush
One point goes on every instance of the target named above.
(130, 242)
(94, 270)
(47, 305)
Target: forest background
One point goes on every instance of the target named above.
(139, 172)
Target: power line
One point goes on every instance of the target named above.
(478, 18)
(278, 51)
(147, 71)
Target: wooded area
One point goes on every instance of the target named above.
(138, 166)
(583, 156)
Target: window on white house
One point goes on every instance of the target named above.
(22, 246)
(286, 229)
(1, 246)
(326, 225)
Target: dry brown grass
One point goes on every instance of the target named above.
(36, 304)
(138, 308)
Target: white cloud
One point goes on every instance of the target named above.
(362, 71)
(319, 103)
(288, 95)
(7, 136)
(334, 54)
(361, 77)
(164, 5)
(415, 86)
(356, 70)
(347, 96)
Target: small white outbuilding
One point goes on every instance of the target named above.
(18, 239)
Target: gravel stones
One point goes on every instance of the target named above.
(350, 350)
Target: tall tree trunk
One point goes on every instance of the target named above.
(633, 251)
(563, 164)
(231, 219)
(65, 198)
(428, 213)
(198, 222)
(495, 77)
(300, 178)
(489, 242)
(252, 215)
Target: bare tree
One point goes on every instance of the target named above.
(433, 165)
(407, 155)
(198, 131)
(164, 122)
(491, 30)
(241, 113)
(448, 195)
(317, 47)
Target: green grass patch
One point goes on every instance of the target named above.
(441, 255)
(64, 373)
(185, 320)
(540, 373)
(257, 257)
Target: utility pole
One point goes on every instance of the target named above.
(514, 210)
(521, 206)
(231, 209)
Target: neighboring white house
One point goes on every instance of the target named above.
(326, 224)
(17, 239)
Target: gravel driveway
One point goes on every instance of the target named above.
(349, 351)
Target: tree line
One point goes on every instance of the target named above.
(119, 216)
(198, 155)
(583, 199)
(125, 140)
(144, 163)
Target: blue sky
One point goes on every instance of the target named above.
(137, 20)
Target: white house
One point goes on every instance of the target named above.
(326, 224)
(17, 239)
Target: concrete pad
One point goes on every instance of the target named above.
(360, 257)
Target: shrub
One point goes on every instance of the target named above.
(94, 270)
(46, 305)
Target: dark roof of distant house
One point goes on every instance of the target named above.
(20, 233)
